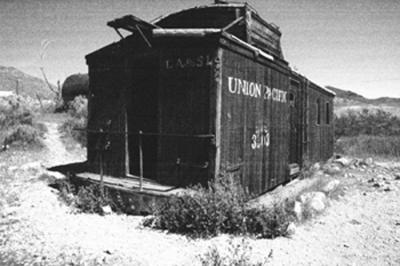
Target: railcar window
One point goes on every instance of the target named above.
(291, 99)
(328, 116)
(318, 111)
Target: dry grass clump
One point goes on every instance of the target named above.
(237, 254)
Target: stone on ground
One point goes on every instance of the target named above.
(315, 201)
(331, 186)
(343, 161)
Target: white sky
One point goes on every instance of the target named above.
(353, 44)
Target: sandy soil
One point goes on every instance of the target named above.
(360, 228)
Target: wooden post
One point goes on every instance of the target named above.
(140, 161)
(127, 167)
(101, 176)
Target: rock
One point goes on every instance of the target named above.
(372, 180)
(387, 189)
(355, 222)
(316, 167)
(397, 176)
(376, 185)
(291, 230)
(382, 177)
(106, 210)
(343, 161)
(332, 169)
(369, 161)
(298, 210)
(331, 186)
(51, 177)
(316, 201)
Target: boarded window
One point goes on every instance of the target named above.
(328, 113)
(318, 111)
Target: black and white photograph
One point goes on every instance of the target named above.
(199, 132)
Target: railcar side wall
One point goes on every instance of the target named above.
(320, 125)
(254, 121)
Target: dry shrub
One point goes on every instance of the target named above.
(364, 145)
(220, 208)
(88, 199)
(367, 122)
(237, 254)
(17, 120)
(75, 124)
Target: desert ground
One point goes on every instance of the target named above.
(361, 226)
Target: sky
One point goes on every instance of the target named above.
(349, 44)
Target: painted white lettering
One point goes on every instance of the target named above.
(239, 86)
(251, 89)
(168, 64)
(284, 96)
(230, 87)
(267, 93)
(245, 88)
(208, 60)
(257, 90)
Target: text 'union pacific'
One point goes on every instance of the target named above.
(256, 90)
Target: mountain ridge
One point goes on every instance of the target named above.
(12, 78)
(355, 97)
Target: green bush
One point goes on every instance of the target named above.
(75, 124)
(17, 123)
(220, 208)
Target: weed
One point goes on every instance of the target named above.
(88, 199)
(237, 254)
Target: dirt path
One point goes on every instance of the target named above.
(57, 153)
(361, 228)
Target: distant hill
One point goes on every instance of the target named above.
(347, 100)
(27, 84)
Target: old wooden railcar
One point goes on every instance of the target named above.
(203, 92)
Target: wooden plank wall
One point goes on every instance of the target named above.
(106, 113)
(254, 129)
(184, 108)
(321, 134)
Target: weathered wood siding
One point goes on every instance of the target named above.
(254, 121)
(321, 132)
(184, 110)
(106, 113)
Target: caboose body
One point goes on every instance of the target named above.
(200, 93)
